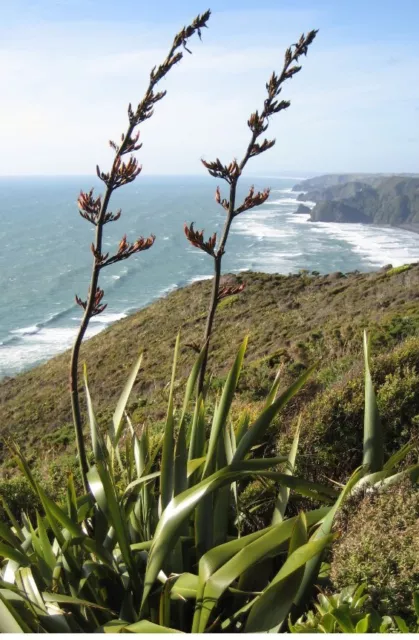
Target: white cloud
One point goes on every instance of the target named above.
(65, 95)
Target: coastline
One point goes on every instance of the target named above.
(323, 183)
(270, 240)
(413, 228)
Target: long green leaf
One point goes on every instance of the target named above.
(143, 626)
(185, 587)
(37, 547)
(136, 484)
(222, 565)
(206, 535)
(27, 585)
(191, 383)
(64, 599)
(197, 438)
(6, 551)
(98, 445)
(8, 536)
(123, 399)
(221, 417)
(274, 389)
(47, 551)
(410, 472)
(10, 620)
(284, 492)
(230, 448)
(203, 532)
(101, 486)
(363, 624)
(167, 462)
(180, 462)
(44, 569)
(24, 467)
(305, 488)
(71, 498)
(313, 566)
(397, 457)
(221, 497)
(373, 458)
(302, 556)
(212, 561)
(181, 452)
(272, 608)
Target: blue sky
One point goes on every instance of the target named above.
(68, 69)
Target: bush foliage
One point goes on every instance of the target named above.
(380, 545)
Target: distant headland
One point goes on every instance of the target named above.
(382, 199)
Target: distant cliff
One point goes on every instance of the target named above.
(333, 179)
(337, 211)
(368, 198)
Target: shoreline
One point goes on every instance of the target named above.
(413, 228)
(19, 348)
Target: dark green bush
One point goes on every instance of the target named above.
(19, 497)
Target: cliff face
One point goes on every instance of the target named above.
(343, 191)
(302, 208)
(392, 200)
(335, 211)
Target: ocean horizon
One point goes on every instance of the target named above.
(46, 258)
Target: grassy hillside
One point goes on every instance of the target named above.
(293, 321)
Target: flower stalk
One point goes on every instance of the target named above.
(95, 211)
(258, 123)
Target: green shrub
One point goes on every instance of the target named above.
(19, 495)
(380, 545)
(396, 270)
(349, 611)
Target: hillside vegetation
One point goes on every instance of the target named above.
(376, 199)
(293, 321)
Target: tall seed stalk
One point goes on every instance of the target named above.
(258, 123)
(95, 211)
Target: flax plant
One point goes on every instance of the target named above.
(138, 553)
(96, 211)
(258, 123)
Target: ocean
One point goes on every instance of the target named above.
(45, 256)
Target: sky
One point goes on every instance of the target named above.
(69, 68)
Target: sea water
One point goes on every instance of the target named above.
(45, 256)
